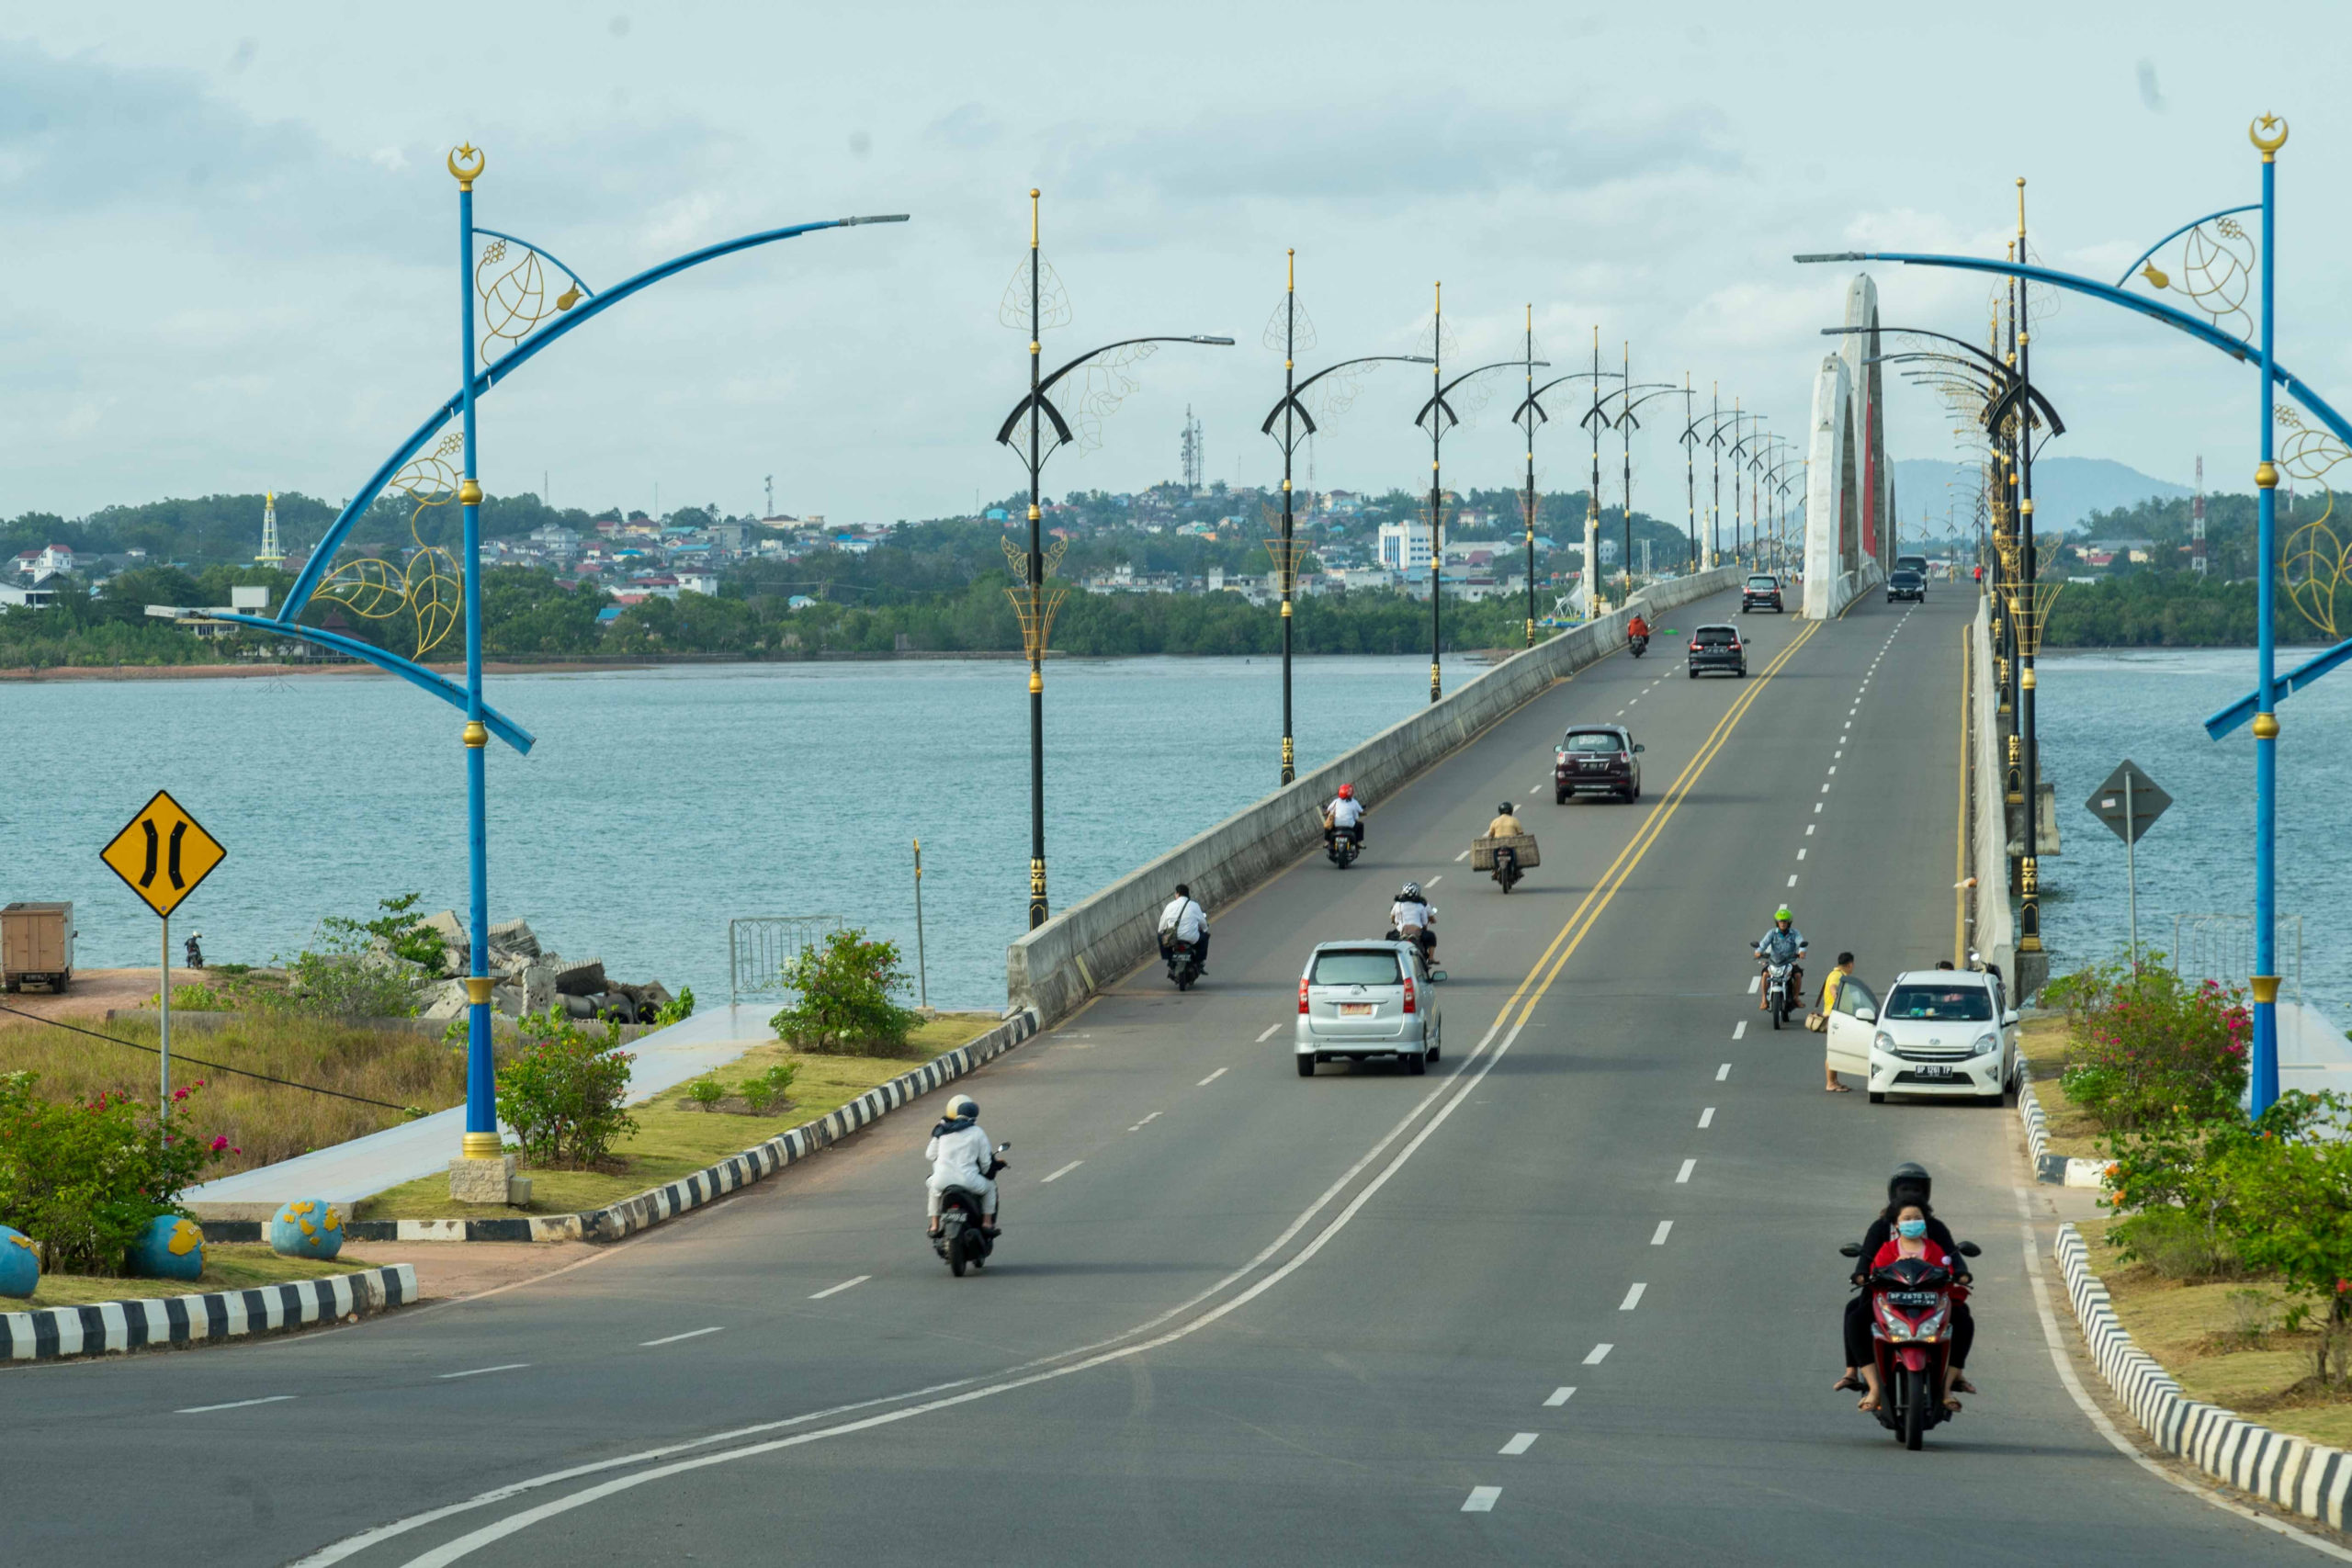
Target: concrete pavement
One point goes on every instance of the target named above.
(1238, 1316)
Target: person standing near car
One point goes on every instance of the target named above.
(1832, 989)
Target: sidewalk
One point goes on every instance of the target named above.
(365, 1167)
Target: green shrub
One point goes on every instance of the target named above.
(768, 1087)
(706, 1091)
(845, 1006)
(564, 1091)
(2146, 1048)
(677, 1010)
(2176, 1245)
(408, 939)
(200, 999)
(84, 1180)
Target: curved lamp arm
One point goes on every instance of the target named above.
(1291, 399)
(1437, 399)
(315, 569)
(1531, 400)
(408, 669)
(1650, 391)
(1004, 431)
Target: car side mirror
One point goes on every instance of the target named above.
(1437, 976)
(2010, 1017)
(1970, 1249)
(1640, 747)
(1866, 1015)
(1851, 1250)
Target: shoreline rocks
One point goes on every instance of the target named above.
(528, 978)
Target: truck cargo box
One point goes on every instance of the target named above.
(35, 946)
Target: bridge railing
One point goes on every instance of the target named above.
(2221, 948)
(758, 946)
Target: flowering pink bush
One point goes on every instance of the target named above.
(2147, 1047)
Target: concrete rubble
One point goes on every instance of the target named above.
(527, 978)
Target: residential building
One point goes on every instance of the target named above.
(29, 598)
(702, 582)
(557, 540)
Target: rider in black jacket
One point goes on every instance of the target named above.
(1909, 1184)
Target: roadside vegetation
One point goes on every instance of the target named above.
(228, 1266)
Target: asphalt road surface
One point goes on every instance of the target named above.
(1571, 1297)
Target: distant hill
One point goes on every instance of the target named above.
(2066, 491)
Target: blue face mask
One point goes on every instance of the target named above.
(1913, 1229)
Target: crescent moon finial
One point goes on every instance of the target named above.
(2267, 134)
(467, 173)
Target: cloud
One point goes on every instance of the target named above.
(2151, 96)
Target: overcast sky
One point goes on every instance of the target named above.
(230, 257)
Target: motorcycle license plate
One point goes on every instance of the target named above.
(1934, 1072)
(1356, 1009)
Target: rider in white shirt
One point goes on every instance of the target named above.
(960, 1155)
(1345, 813)
(1414, 917)
(1186, 921)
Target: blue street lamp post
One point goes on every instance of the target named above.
(2269, 134)
(481, 1140)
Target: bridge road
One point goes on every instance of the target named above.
(1324, 1315)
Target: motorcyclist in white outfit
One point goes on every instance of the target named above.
(960, 1155)
(1343, 813)
(1184, 921)
(1414, 919)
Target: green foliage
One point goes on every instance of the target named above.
(84, 1180)
(564, 1091)
(844, 986)
(407, 937)
(677, 1010)
(2146, 1048)
(766, 1088)
(201, 999)
(706, 1091)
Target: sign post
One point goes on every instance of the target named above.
(2129, 802)
(161, 854)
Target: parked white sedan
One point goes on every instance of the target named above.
(1939, 1032)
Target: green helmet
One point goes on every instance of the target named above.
(1782, 914)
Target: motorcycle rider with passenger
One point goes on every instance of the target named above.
(1782, 945)
(1907, 1188)
(1412, 918)
(1344, 814)
(960, 1155)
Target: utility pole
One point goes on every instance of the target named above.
(2197, 523)
(770, 482)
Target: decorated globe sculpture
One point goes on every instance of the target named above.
(311, 1227)
(171, 1248)
(19, 1264)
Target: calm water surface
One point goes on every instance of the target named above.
(2098, 708)
(659, 803)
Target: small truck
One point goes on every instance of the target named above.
(36, 946)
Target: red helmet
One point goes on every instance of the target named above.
(1347, 791)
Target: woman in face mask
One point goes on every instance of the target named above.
(1911, 1240)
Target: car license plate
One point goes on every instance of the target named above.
(1356, 1009)
(1935, 1072)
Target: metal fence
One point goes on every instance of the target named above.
(2220, 947)
(758, 946)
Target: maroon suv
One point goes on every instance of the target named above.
(1597, 757)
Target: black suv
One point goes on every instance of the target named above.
(1907, 585)
(1718, 647)
(1761, 591)
(1597, 757)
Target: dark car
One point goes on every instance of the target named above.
(1913, 563)
(1718, 647)
(1762, 591)
(1597, 757)
(1907, 585)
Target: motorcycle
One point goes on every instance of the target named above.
(1911, 1340)
(1183, 963)
(1639, 645)
(1423, 936)
(961, 1241)
(1345, 845)
(1779, 989)
(1507, 873)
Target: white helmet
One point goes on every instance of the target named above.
(963, 1106)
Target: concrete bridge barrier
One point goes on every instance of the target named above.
(1063, 962)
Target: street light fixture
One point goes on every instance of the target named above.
(1530, 414)
(1031, 601)
(1756, 529)
(1714, 419)
(1298, 425)
(1626, 424)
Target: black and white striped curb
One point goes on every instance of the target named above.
(2304, 1477)
(2058, 1170)
(105, 1328)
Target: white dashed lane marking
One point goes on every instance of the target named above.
(1598, 1354)
(698, 1333)
(1482, 1499)
(1520, 1443)
(479, 1371)
(1222, 1071)
(269, 1399)
(1657, 1239)
(1145, 1122)
(1723, 1072)
(1707, 1117)
(1684, 1174)
(1633, 1297)
(1263, 1038)
(1062, 1172)
(1559, 1396)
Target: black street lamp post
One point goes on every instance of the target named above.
(1528, 416)
(1626, 424)
(1031, 601)
(1438, 416)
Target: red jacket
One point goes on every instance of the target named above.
(1934, 1253)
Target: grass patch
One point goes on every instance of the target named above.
(2223, 1341)
(228, 1266)
(2072, 1132)
(269, 1121)
(674, 1137)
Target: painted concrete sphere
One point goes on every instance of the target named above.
(311, 1227)
(172, 1249)
(20, 1265)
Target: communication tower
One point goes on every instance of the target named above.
(271, 555)
(1195, 453)
(2197, 521)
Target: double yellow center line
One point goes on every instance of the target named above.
(1587, 913)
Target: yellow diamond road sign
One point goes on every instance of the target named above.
(162, 853)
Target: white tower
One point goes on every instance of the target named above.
(270, 554)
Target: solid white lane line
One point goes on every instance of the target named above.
(1222, 1071)
(1707, 1117)
(1268, 1034)
(1632, 1298)
(1559, 1396)
(837, 1290)
(1482, 1499)
(1145, 1122)
(698, 1333)
(1063, 1171)
(1598, 1354)
(1723, 1072)
(1684, 1174)
(1520, 1443)
(1658, 1238)
(478, 1371)
(235, 1404)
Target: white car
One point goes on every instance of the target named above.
(1939, 1032)
(1362, 1000)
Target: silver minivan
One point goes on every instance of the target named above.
(1363, 999)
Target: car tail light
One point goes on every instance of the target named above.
(1694, 647)
(1301, 993)
(1624, 756)
(1408, 993)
